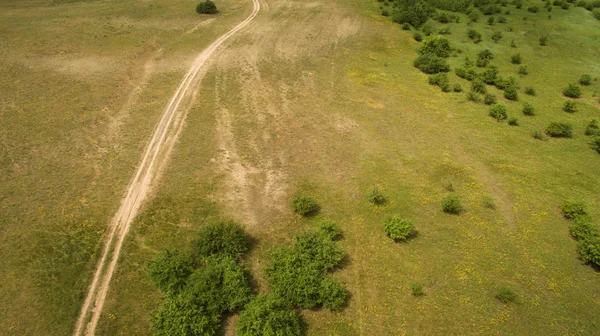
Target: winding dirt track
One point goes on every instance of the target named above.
(157, 151)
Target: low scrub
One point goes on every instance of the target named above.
(299, 274)
(489, 99)
(398, 229)
(376, 197)
(451, 204)
(431, 64)
(206, 7)
(572, 91)
(528, 109)
(585, 80)
(559, 130)
(269, 315)
(572, 209)
(436, 45)
(498, 112)
(223, 238)
(506, 295)
(593, 128)
(305, 206)
(510, 93)
(570, 106)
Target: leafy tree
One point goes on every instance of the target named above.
(415, 12)
(436, 45)
(431, 64)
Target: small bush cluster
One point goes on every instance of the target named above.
(569, 106)
(543, 41)
(299, 274)
(202, 285)
(474, 35)
(269, 315)
(530, 91)
(489, 99)
(436, 45)
(466, 73)
(572, 91)
(516, 59)
(583, 230)
(376, 197)
(510, 93)
(478, 86)
(431, 64)
(559, 130)
(451, 204)
(414, 13)
(512, 121)
(523, 70)
(417, 289)
(398, 229)
(585, 80)
(484, 58)
(305, 206)
(498, 112)
(593, 128)
(441, 80)
(496, 37)
(528, 109)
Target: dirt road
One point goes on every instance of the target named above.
(157, 151)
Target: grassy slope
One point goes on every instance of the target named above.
(73, 129)
(356, 114)
(360, 115)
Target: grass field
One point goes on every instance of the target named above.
(316, 98)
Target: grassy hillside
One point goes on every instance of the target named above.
(317, 98)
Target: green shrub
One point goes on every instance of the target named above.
(513, 44)
(512, 121)
(298, 273)
(375, 196)
(457, 88)
(596, 144)
(565, 5)
(592, 128)
(589, 250)
(510, 93)
(474, 97)
(220, 286)
(418, 36)
(268, 315)
(533, 9)
(436, 45)
(530, 91)
(406, 26)
(559, 130)
(582, 3)
(441, 80)
(572, 209)
(443, 18)
(468, 74)
(385, 12)
(490, 75)
(489, 99)
(484, 57)
(223, 238)
(206, 7)
(489, 203)
(451, 204)
(474, 17)
(502, 19)
(585, 80)
(572, 91)
(498, 112)
(516, 59)
(491, 20)
(523, 70)
(596, 13)
(581, 227)
(506, 295)
(496, 37)
(538, 135)
(170, 271)
(528, 109)
(398, 229)
(474, 35)
(445, 31)
(543, 41)
(569, 106)
(416, 13)
(417, 289)
(330, 229)
(431, 64)
(477, 85)
(305, 206)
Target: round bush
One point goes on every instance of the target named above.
(510, 93)
(559, 130)
(596, 144)
(305, 205)
(431, 64)
(498, 112)
(569, 106)
(581, 228)
(418, 36)
(375, 196)
(457, 88)
(572, 91)
(512, 121)
(170, 271)
(589, 250)
(515, 59)
(593, 128)
(223, 238)
(268, 315)
(585, 80)
(530, 91)
(436, 45)
(506, 295)
(572, 209)
(528, 109)
(206, 7)
(489, 99)
(398, 229)
(451, 204)
(477, 85)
